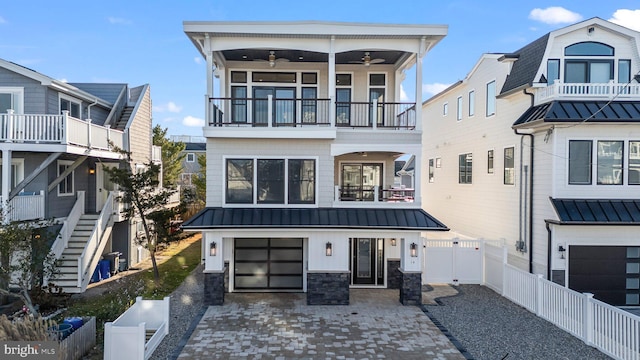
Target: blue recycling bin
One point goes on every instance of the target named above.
(96, 275)
(105, 269)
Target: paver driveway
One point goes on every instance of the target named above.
(281, 326)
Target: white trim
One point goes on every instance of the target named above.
(72, 99)
(471, 114)
(17, 97)
(193, 157)
(73, 180)
(495, 99)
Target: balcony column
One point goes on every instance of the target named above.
(6, 183)
(209, 60)
(421, 52)
(331, 82)
(9, 125)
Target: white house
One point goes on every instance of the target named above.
(540, 147)
(302, 134)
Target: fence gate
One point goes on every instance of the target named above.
(453, 261)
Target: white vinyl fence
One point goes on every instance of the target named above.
(613, 331)
(136, 333)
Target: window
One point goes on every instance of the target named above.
(610, 162)
(580, 162)
(70, 105)
(509, 167)
(624, 71)
(191, 157)
(271, 176)
(309, 78)
(65, 187)
(491, 98)
(239, 104)
(588, 70)
(343, 99)
(438, 163)
(553, 70)
(634, 163)
(445, 109)
(465, 164)
(310, 106)
(17, 172)
(274, 77)
(490, 162)
(431, 170)
(589, 48)
(377, 80)
(472, 102)
(459, 109)
(11, 99)
(239, 77)
(240, 181)
(302, 181)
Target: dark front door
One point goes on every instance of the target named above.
(268, 264)
(283, 109)
(368, 261)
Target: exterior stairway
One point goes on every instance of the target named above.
(68, 264)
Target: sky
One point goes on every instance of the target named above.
(142, 42)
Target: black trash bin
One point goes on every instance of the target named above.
(114, 261)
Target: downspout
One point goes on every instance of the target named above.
(89, 108)
(530, 204)
(546, 223)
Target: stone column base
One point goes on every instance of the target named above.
(411, 288)
(214, 288)
(394, 277)
(330, 288)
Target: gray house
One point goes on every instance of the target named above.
(55, 142)
(194, 147)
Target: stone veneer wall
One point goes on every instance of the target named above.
(394, 277)
(557, 276)
(411, 288)
(214, 288)
(328, 288)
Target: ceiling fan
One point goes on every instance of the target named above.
(367, 60)
(272, 59)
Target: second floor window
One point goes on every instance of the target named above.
(71, 106)
(509, 166)
(588, 62)
(491, 98)
(465, 168)
(191, 157)
(459, 109)
(580, 162)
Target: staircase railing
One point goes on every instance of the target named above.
(62, 240)
(96, 243)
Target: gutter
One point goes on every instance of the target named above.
(547, 224)
(95, 102)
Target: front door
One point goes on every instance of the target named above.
(103, 184)
(283, 107)
(368, 261)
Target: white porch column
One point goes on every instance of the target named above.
(209, 59)
(331, 82)
(6, 182)
(419, 57)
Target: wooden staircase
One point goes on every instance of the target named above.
(68, 264)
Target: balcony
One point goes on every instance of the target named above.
(366, 196)
(57, 129)
(26, 206)
(298, 115)
(587, 91)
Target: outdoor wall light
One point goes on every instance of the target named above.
(329, 249)
(213, 248)
(413, 249)
(92, 171)
(393, 242)
(562, 250)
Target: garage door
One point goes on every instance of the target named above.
(268, 264)
(610, 273)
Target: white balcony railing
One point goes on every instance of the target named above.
(156, 153)
(57, 129)
(594, 91)
(26, 207)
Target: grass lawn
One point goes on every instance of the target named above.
(180, 261)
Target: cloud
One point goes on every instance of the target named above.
(554, 15)
(117, 20)
(627, 18)
(192, 121)
(403, 95)
(64, 80)
(198, 60)
(432, 89)
(168, 107)
(2, 20)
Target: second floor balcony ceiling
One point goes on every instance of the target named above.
(310, 79)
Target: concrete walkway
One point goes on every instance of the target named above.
(281, 326)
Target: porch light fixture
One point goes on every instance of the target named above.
(393, 242)
(328, 249)
(92, 171)
(272, 59)
(413, 249)
(561, 249)
(213, 248)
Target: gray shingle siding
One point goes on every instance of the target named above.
(34, 92)
(525, 68)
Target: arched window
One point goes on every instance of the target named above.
(589, 48)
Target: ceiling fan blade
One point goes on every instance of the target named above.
(376, 61)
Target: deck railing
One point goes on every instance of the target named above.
(26, 207)
(57, 129)
(271, 112)
(594, 91)
(373, 194)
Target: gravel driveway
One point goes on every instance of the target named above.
(491, 327)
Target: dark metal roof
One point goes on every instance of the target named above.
(195, 146)
(576, 111)
(597, 211)
(324, 218)
(525, 68)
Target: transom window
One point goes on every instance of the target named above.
(270, 181)
(589, 48)
(588, 70)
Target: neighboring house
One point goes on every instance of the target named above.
(194, 147)
(54, 143)
(302, 137)
(541, 147)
